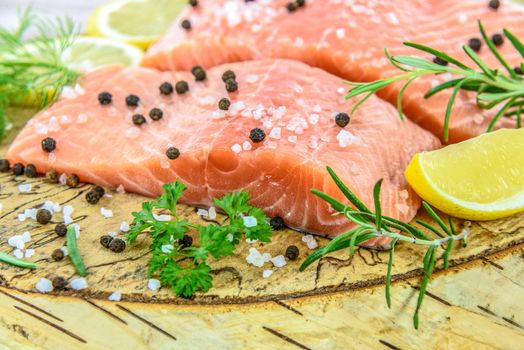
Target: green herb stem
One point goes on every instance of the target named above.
(11, 260)
(74, 253)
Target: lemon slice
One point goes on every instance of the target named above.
(478, 179)
(137, 22)
(87, 53)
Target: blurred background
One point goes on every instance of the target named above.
(79, 10)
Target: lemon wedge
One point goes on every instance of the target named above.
(87, 53)
(136, 22)
(478, 179)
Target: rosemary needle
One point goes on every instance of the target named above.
(9, 259)
(374, 224)
(74, 254)
(500, 89)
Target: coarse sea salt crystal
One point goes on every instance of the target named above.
(404, 194)
(275, 133)
(162, 217)
(167, 248)
(251, 78)
(402, 208)
(78, 283)
(82, 118)
(107, 213)
(30, 213)
(29, 253)
(18, 253)
(292, 139)
(345, 138)
(310, 241)
(249, 221)
(255, 258)
(21, 217)
(313, 118)
(115, 296)
(267, 273)
(120, 189)
(24, 188)
(44, 285)
(65, 251)
(16, 241)
(268, 124)
(51, 206)
(26, 236)
(67, 210)
(236, 148)
(124, 226)
(246, 146)
(279, 261)
(317, 109)
(132, 132)
(112, 234)
(218, 114)
(230, 237)
(341, 33)
(246, 113)
(202, 212)
(164, 164)
(153, 284)
(237, 107)
(341, 90)
(62, 179)
(212, 213)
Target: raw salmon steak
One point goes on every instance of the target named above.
(293, 103)
(347, 38)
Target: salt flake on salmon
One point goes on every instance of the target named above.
(277, 164)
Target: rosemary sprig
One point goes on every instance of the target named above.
(494, 88)
(31, 64)
(11, 260)
(375, 224)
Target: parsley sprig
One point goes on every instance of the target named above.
(374, 224)
(185, 268)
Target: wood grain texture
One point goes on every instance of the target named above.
(337, 303)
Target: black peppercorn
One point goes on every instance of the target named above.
(497, 39)
(186, 24)
(301, 3)
(52, 176)
(199, 73)
(494, 4)
(4, 165)
(59, 283)
(72, 180)
(132, 100)
(43, 216)
(475, 44)
(440, 61)
(228, 74)
(48, 144)
(292, 252)
(193, 3)
(257, 135)
(277, 223)
(231, 85)
(291, 6)
(172, 153)
(61, 230)
(117, 245)
(342, 119)
(105, 98)
(156, 114)
(138, 119)
(105, 240)
(181, 87)
(57, 255)
(224, 104)
(92, 197)
(30, 170)
(518, 70)
(166, 88)
(100, 190)
(186, 241)
(18, 169)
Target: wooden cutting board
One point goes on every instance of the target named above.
(337, 303)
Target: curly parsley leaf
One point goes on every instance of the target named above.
(184, 268)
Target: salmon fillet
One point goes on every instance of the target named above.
(292, 102)
(347, 38)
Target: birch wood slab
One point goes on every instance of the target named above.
(337, 303)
